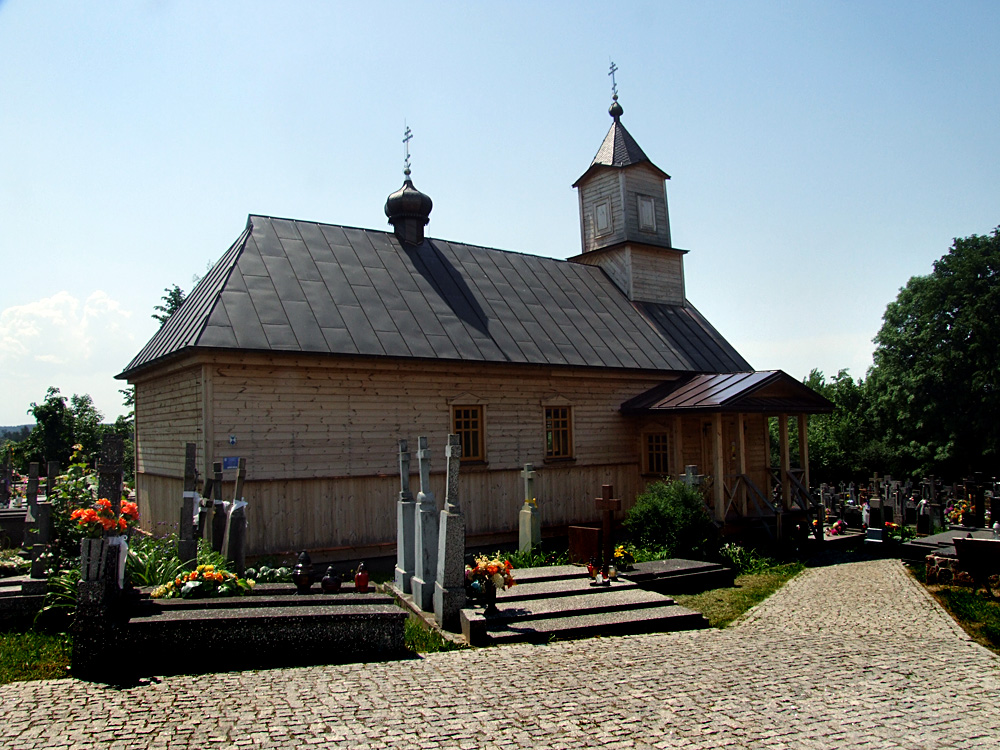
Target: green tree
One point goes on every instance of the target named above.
(172, 300)
(935, 384)
(52, 437)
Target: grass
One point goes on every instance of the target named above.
(33, 656)
(977, 613)
(723, 606)
(420, 639)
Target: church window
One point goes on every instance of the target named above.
(467, 422)
(647, 214)
(657, 453)
(602, 217)
(558, 432)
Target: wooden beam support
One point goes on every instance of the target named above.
(804, 447)
(768, 487)
(719, 479)
(786, 485)
(677, 449)
(741, 449)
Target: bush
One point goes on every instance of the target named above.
(672, 516)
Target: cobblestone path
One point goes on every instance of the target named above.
(847, 656)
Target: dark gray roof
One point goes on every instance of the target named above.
(619, 149)
(769, 391)
(300, 286)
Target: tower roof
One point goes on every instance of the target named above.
(619, 148)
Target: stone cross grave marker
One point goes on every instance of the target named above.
(187, 545)
(6, 479)
(426, 533)
(607, 505)
(31, 491)
(109, 472)
(235, 540)
(449, 586)
(529, 521)
(218, 508)
(40, 524)
(405, 510)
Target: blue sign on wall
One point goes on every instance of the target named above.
(230, 462)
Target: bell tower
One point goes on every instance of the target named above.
(624, 222)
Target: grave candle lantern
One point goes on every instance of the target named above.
(302, 573)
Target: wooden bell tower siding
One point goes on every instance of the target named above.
(311, 348)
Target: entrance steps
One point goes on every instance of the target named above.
(561, 602)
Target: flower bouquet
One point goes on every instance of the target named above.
(837, 528)
(100, 517)
(623, 558)
(489, 571)
(202, 582)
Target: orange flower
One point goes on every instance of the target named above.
(122, 524)
(107, 523)
(104, 503)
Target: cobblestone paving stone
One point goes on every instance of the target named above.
(847, 656)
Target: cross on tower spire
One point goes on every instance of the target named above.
(614, 86)
(407, 137)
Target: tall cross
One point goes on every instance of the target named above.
(407, 137)
(424, 462)
(608, 505)
(614, 86)
(529, 484)
(404, 470)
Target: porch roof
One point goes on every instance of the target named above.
(768, 391)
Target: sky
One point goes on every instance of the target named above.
(821, 153)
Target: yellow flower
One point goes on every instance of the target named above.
(251, 582)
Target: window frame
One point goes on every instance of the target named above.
(568, 452)
(480, 429)
(651, 201)
(666, 440)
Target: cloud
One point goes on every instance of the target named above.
(61, 341)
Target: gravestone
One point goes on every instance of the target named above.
(691, 476)
(426, 534)
(235, 540)
(449, 586)
(187, 544)
(529, 521)
(6, 479)
(31, 491)
(41, 539)
(219, 517)
(607, 505)
(405, 510)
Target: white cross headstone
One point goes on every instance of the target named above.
(529, 520)
(426, 534)
(449, 587)
(405, 519)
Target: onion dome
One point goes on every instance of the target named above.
(409, 211)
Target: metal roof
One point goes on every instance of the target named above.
(305, 287)
(619, 149)
(771, 391)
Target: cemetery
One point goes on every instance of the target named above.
(311, 618)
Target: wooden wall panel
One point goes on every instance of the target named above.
(657, 275)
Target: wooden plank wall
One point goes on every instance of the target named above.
(657, 275)
(644, 181)
(320, 441)
(602, 185)
(358, 512)
(168, 413)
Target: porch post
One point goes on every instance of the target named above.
(768, 487)
(718, 484)
(804, 447)
(677, 450)
(786, 485)
(741, 448)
